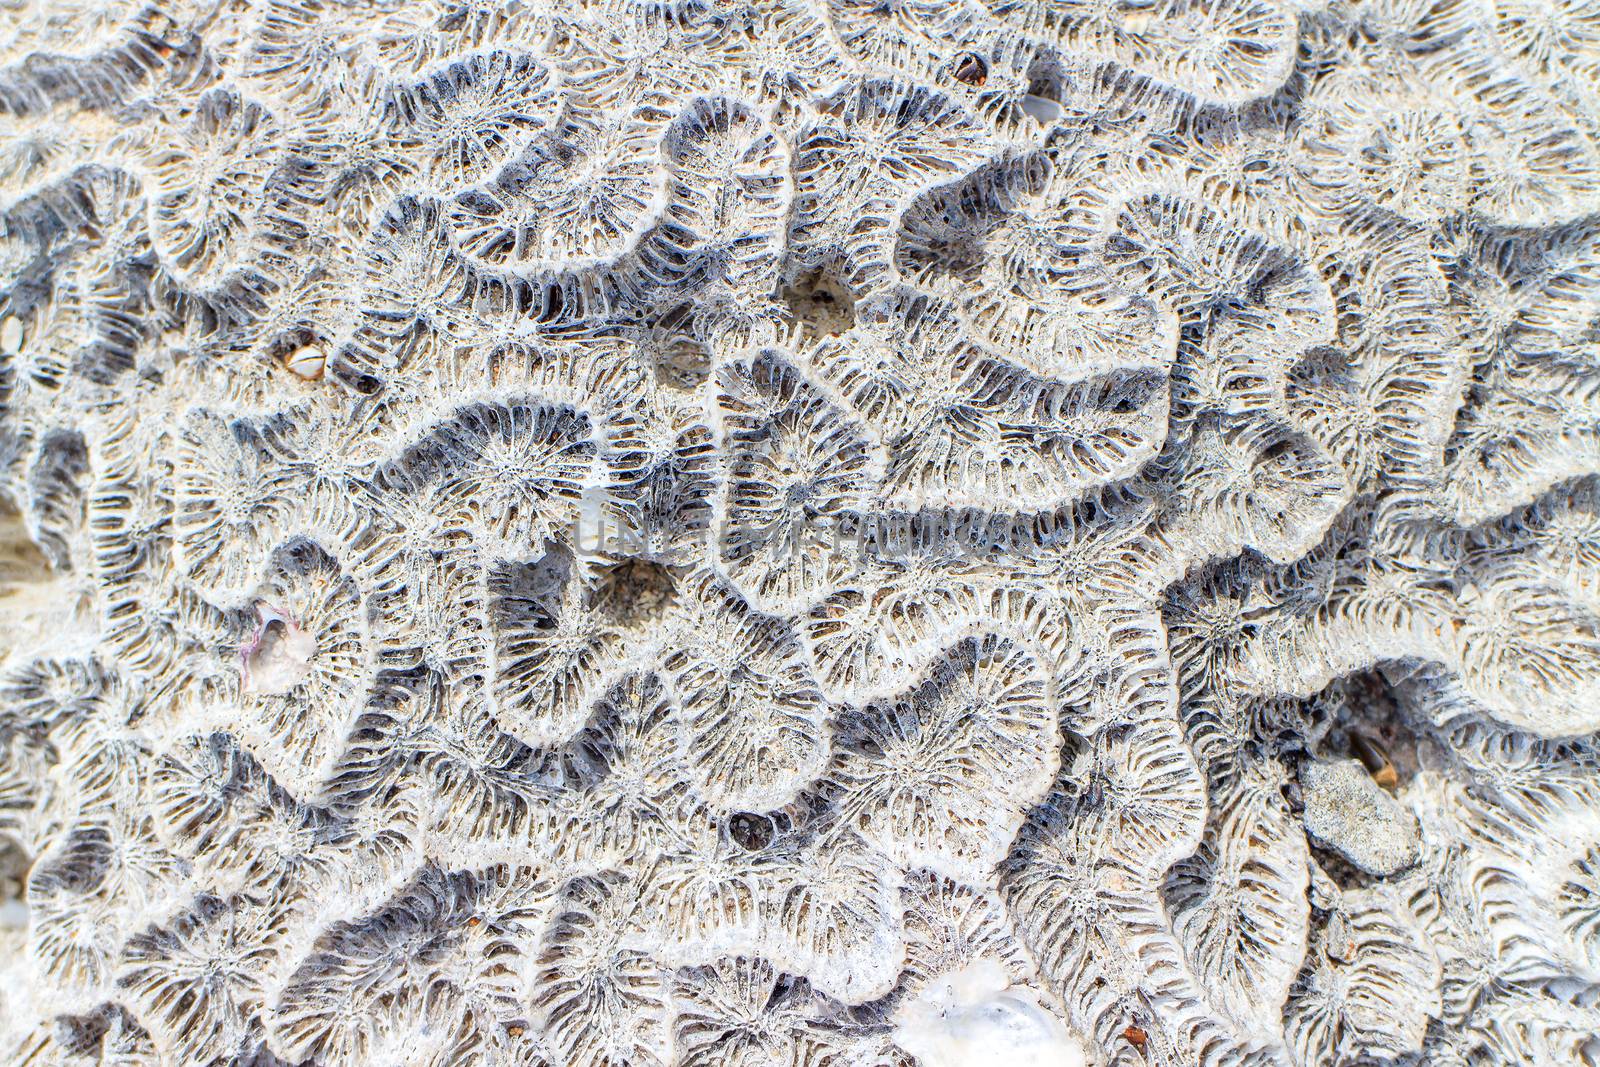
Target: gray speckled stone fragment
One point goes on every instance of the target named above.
(1346, 811)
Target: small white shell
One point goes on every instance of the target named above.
(307, 362)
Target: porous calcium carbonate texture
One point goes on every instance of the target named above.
(844, 533)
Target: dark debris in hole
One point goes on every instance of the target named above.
(634, 591)
(683, 363)
(1373, 727)
(820, 304)
(751, 832)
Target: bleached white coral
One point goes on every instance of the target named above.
(975, 1016)
(617, 533)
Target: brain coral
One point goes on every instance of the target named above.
(833, 533)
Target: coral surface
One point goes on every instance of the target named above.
(833, 533)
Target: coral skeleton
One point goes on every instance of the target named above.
(799, 533)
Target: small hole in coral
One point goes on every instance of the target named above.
(1372, 727)
(634, 591)
(1375, 758)
(820, 304)
(14, 865)
(1045, 83)
(277, 655)
(750, 832)
(683, 364)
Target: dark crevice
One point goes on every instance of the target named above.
(635, 591)
(820, 304)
